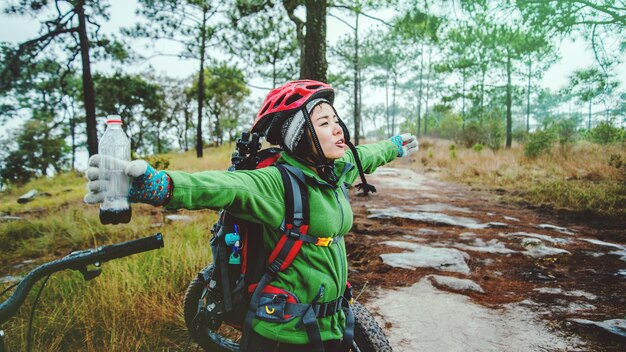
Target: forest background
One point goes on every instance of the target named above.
(466, 70)
(472, 72)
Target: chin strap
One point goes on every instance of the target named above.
(326, 169)
(364, 187)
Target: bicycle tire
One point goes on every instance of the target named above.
(207, 339)
(368, 335)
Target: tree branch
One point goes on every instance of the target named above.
(342, 20)
(363, 14)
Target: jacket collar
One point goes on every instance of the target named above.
(312, 175)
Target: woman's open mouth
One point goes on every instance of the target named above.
(340, 143)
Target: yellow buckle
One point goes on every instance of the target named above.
(324, 241)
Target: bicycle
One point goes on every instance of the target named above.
(79, 261)
(199, 297)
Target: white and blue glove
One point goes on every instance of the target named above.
(148, 185)
(406, 144)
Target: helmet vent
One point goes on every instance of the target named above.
(280, 100)
(264, 109)
(292, 99)
(314, 87)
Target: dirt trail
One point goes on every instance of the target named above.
(457, 270)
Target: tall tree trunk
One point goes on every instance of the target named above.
(89, 93)
(509, 101)
(187, 123)
(290, 6)
(357, 83)
(199, 144)
(430, 57)
(482, 94)
(315, 41)
(419, 92)
(361, 105)
(528, 97)
(274, 70)
(463, 98)
(393, 107)
(73, 135)
(387, 117)
(589, 118)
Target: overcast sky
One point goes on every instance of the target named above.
(574, 55)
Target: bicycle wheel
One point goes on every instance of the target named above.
(368, 335)
(217, 338)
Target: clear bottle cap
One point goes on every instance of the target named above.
(114, 119)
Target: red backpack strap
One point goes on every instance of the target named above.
(296, 224)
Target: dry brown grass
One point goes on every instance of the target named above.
(217, 158)
(577, 177)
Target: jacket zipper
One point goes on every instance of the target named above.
(344, 280)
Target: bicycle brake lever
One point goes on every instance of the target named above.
(89, 274)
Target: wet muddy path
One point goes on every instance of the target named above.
(446, 268)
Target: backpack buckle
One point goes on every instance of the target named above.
(324, 241)
(292, 234)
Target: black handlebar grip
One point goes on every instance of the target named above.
(127, 248)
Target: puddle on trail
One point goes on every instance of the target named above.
(427, 217)
(424, 318)
(439, 207)
(403, 179)
(614, 326)
(621, 250)
(536, 235)
(536, 249)
(446, 259)
(491, 246)
(456, 284)
(559, 291)
(559, 229)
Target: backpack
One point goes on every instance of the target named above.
(243, 269)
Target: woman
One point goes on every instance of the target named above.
(300, 117)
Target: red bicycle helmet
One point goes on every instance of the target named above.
(283, 101)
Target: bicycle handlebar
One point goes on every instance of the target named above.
(76, 261)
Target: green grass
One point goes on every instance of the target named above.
(60, 191)
(136, 303)
(603, 198)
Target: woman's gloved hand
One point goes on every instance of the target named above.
(406, 144)
(148, 185)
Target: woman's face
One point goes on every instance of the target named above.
(328, 131)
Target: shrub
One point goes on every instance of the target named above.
(471, 135)
(538, 143)
(491, 133)
(520, 135)
(477, 147)
(606, 133)
(453, 154)
(566, 131)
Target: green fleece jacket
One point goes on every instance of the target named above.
(258, 196)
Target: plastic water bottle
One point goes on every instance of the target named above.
(114, 145)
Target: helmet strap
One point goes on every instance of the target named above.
(363, 186)
(325, 168)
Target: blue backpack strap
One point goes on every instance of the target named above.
(296, 224)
